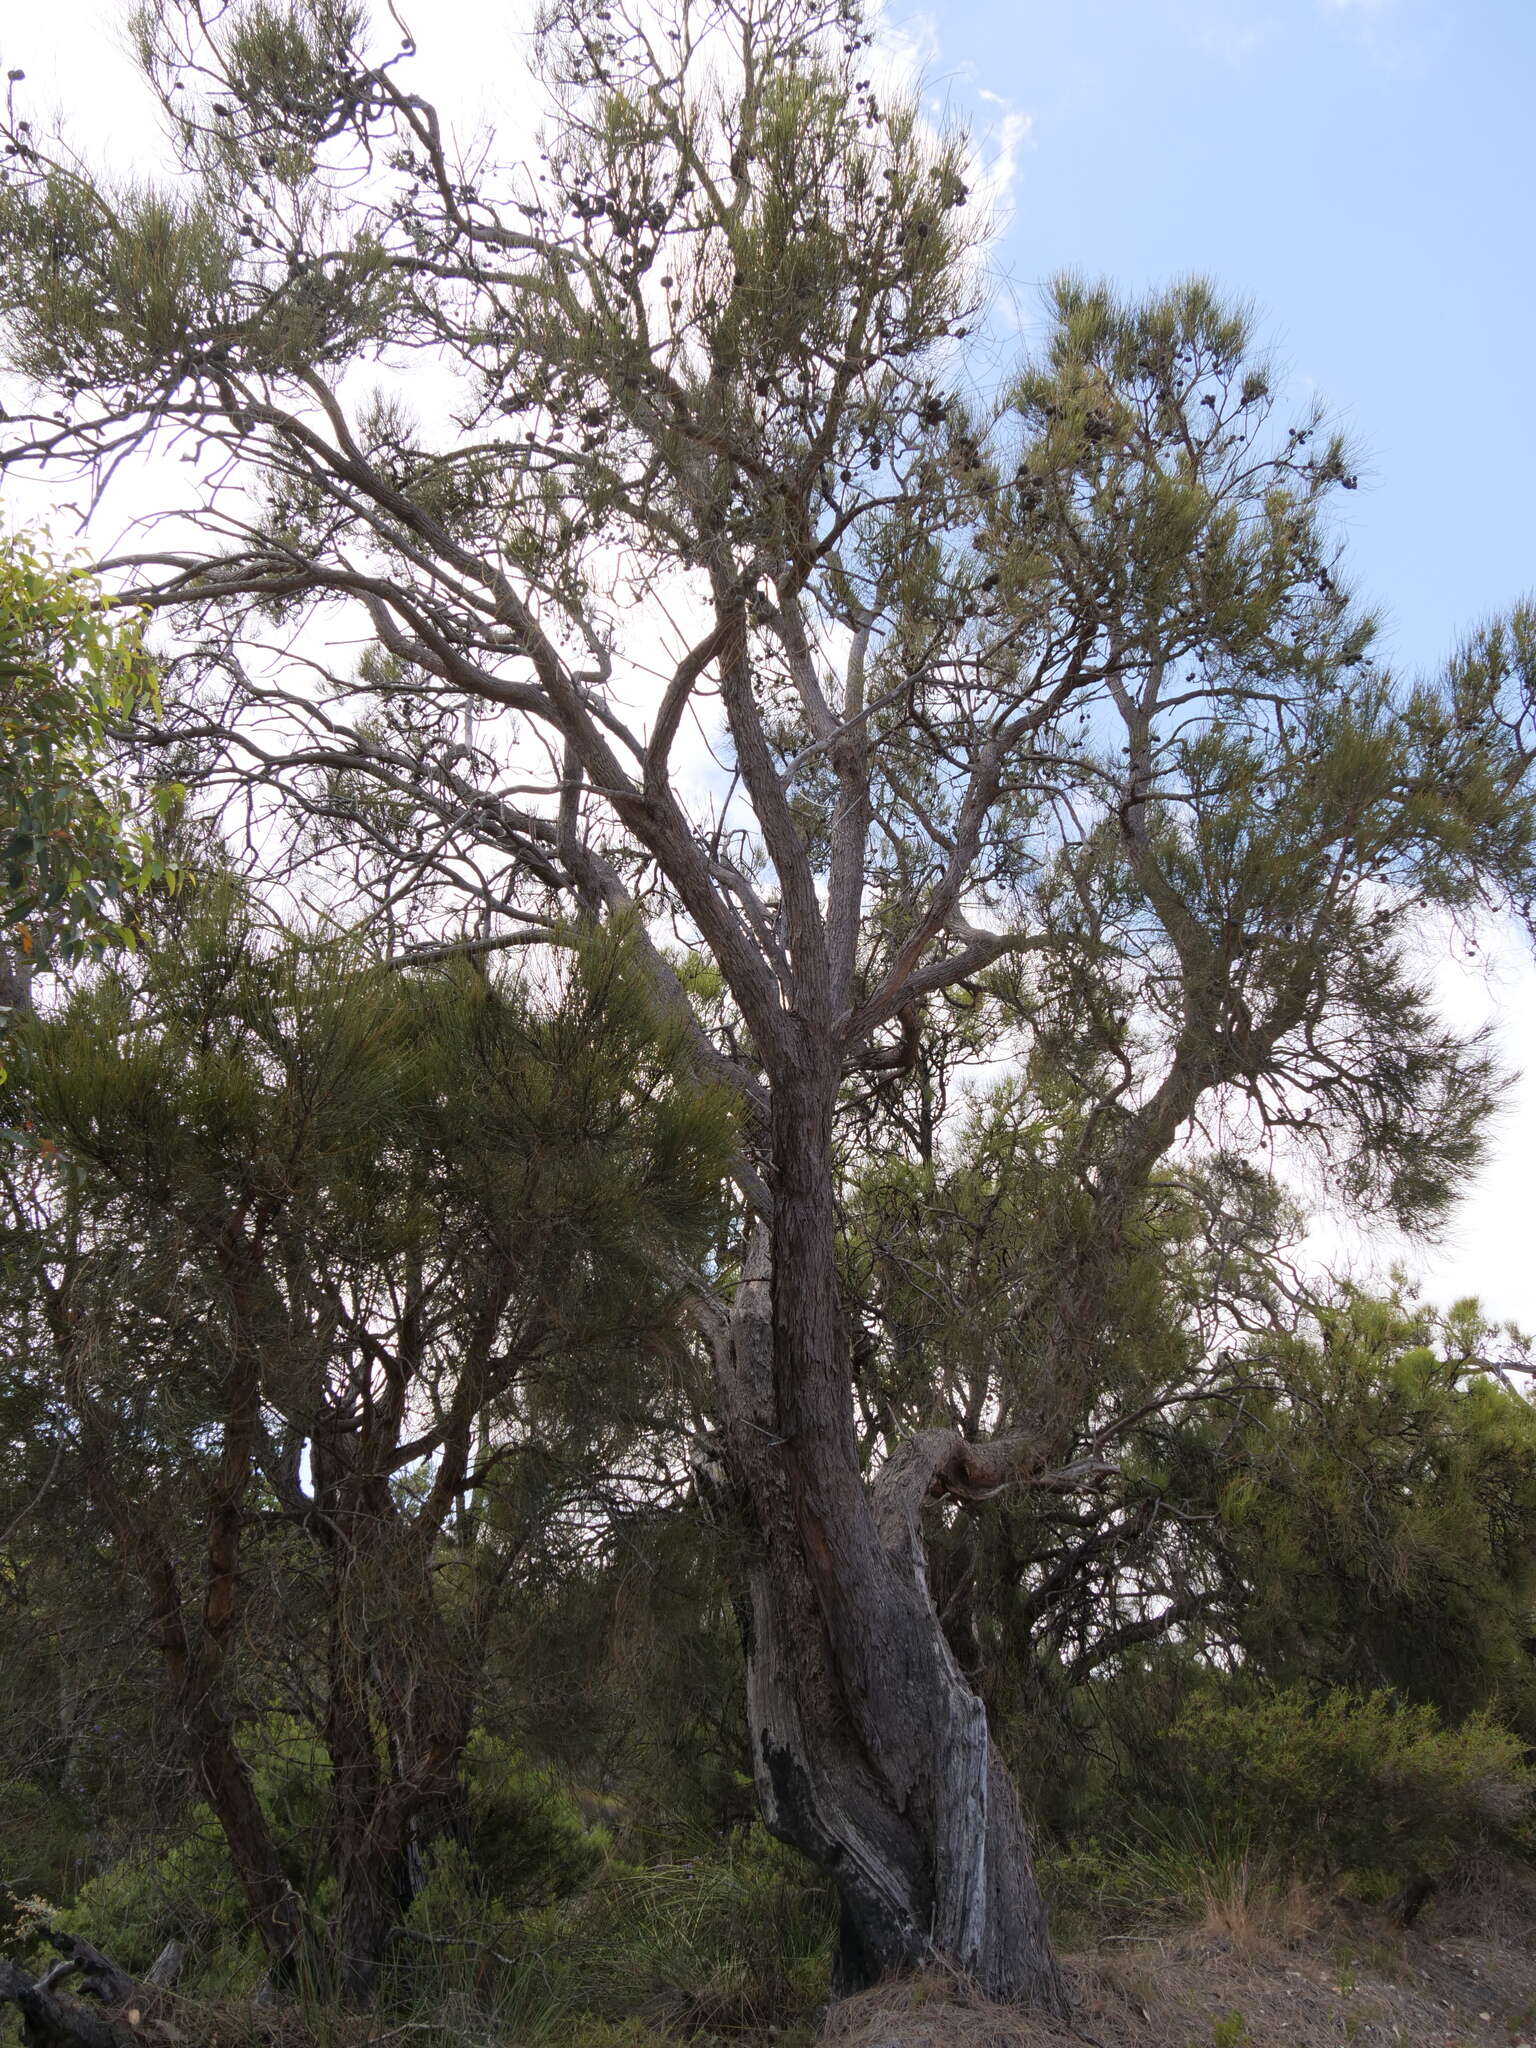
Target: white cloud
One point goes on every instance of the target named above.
(1231, 31)
(908, 49)
(1232, 42)
(1403, 38)
(998, 155)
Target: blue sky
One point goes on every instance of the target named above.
(1364, 172)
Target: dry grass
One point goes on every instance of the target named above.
(1269, 1968)
(1251, 1911)
(1267, 1965)
(932, 2012)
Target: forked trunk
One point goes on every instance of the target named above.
(367, 1845)
(870, 1750)
(397, 1725)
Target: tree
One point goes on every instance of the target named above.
(1059, 700)
(1375, 1503)
(1313, 1486)
(71, 854)
(319, 1256)
(954, 1262)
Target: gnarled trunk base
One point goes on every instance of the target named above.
(946, 1881)
(871, 1752)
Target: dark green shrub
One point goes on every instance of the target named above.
(1353, 1785)
(737, 1937)
(529, 1849)
(531, 1843)
(42, 1840)
(186, 1892)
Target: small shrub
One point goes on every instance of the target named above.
(186, 1892)
(1181, 1866)
(531, 1843)
(42, 1840)
(1355, 1786)
(737, 1938)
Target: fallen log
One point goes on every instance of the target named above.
(100, 1977)
(166, 1968)
(48, 2021)
(107, 2008)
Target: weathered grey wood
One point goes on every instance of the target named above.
(48, 2021)
(870, 1749)
(100, 1977)
(166, 1968)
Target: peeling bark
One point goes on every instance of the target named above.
(871, 1751)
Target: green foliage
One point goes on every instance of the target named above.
(43, 1840)
(1353, 1507)
(128, 284)
(735, 1937)
(1468, 788)
(530, 1844)
(1354, 1785)
(184, 1888)
(374, 1116)
(1244, 1795)
(1275, 860)
(956, 1256)
(528, 1849)
(1378, 1503)
(496, 1180)
(71, 854)
(184, 1892)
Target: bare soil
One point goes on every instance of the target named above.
(1279, 1972)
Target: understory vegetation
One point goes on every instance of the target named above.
(575, 1918)
(1343, 1710)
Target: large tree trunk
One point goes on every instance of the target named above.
(398, 1719)
(390, 1817)
(367, 1843)
(871, 1752)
